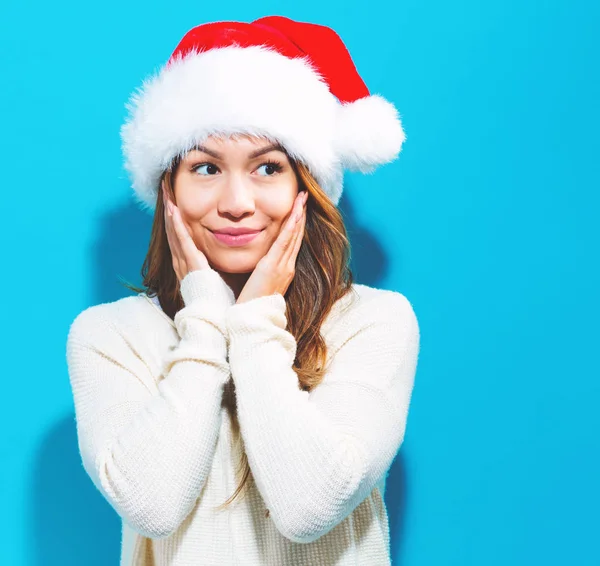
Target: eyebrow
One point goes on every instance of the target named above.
(254, 154)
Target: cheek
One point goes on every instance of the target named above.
(278, 205)
(190, 198)
(193, 220)
(279, 223)
(193, 209)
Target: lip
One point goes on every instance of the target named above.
(236, 240)
(237, 230)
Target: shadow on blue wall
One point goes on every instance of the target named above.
(395, 502)
(73, 524)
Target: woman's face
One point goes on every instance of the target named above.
(245, 182)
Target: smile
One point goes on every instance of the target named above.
(240, 240)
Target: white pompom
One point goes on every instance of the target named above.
(369, 133)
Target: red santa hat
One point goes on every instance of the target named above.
(291, 82)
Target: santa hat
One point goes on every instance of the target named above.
(291, 82)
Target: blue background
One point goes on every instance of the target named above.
(487, 223)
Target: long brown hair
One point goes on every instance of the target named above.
(322, 276)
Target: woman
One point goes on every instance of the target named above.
(246, 406)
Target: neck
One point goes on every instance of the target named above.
(236, 281)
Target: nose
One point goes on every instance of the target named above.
(236, 197)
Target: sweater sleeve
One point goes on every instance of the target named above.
(316, 456)
(149, 449)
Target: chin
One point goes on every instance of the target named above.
(237, 263)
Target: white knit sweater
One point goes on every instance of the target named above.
(153, 403)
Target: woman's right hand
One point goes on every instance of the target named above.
(186, 256)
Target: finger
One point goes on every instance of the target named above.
(292, 252)
(167, 216)
(165, 196)
(174, 246)
(186, 242)
(286, 236)
(171, 237)
(174, 249)
(296, 227)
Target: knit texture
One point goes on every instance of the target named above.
(154, 404)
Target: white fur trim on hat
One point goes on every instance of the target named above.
(256, 91)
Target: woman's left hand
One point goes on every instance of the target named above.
(275, 271)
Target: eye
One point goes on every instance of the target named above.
(206, 168)
(270, 168)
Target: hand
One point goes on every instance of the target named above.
(186, 256)
(275, 271)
